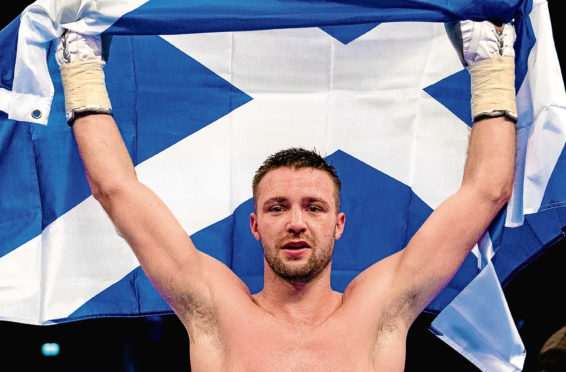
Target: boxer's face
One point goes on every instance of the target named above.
(296, 221)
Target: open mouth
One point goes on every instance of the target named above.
(296, 245)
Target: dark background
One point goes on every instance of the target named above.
(160, 343)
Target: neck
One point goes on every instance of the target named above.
(310, 302)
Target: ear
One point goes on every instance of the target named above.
(340, 223)
(253, 226)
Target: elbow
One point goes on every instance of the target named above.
(105, 191)
(99, 193)
(498, 195)
(496, 192)
(502, 195)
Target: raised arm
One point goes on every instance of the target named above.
(415, 275)
(185, 277)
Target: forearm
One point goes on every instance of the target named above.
(490, 164)
(87, 106)
(489, 57)
(106, 160)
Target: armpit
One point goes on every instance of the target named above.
(197, 314)
(399, 313)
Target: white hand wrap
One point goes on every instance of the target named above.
(490, 58)
(493, 87)
(85, 88)
(81, 64)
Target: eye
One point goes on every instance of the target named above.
(314, 208)
(276, 208)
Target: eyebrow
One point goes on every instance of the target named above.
(281, 199)
(275, 199)
(317, 200)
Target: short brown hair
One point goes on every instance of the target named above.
(297, 157)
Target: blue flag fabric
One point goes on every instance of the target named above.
(212, 88)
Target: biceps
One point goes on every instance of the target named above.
(400, 286)
(438, 249)
(450, 232)
(159, 242)
(144, 220)
(188, 279)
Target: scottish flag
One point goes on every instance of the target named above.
(203, 91)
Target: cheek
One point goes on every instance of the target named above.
(332, 233)
(266, 228)
(326, 231)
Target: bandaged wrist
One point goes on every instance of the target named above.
(493, 88)
(85, 88)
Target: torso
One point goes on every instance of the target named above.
(245, 337)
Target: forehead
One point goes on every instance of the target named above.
(296, 182)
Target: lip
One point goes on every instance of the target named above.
(296, 245)
(295, 249)
(293, 253)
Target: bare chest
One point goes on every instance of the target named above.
(265, 344)
(298, 348)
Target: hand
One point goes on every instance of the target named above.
(81, 60)
(486, 50)
(477, 41)
(74, 47)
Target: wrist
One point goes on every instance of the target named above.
(493, 88)
(85, 88)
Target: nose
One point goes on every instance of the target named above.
(296, 224)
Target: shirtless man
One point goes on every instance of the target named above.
(297, 322)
